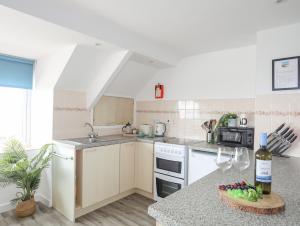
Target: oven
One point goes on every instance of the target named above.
(169, 164)
(166, 185)
(170, 169)
(236, 136)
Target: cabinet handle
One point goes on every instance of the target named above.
(63, 157)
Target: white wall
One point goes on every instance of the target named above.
(131, 79)
(46, 73)
(222, 74)
(273, 44)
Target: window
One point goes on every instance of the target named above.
(15, 114)
(15, 96)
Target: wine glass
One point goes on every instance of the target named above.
(224, 159)
(241, 160)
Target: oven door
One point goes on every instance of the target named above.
(169, 165)
(165, 185)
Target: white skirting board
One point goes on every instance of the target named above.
(38, 197)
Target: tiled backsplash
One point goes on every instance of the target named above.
(185, 117)
(272, 110)
(69, 114)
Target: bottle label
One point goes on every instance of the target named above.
(263, 171)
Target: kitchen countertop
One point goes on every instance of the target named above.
(204, 146)
(83, 142)
(199, 204)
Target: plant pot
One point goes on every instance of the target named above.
(26, 208)
(232, 122)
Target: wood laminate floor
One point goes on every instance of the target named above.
(129, 211)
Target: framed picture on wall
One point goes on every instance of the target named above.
(286, 73)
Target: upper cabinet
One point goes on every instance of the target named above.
(113, 111)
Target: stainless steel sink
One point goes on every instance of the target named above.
(87, 140)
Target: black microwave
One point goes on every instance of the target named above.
(236, 136)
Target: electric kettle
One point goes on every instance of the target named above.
(160, 129)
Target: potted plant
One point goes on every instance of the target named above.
(17, 168)
(229, 119)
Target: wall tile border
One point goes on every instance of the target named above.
(69, 109)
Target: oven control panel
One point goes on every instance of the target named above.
(170, 149)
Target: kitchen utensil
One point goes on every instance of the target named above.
(206, 125)
(160, 129)
(283, 149)
(213, 124)
(278, 146)
(277, 130)
(277, 136)
(281, 140)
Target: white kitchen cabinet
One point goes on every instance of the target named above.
(84, 180)
(144, 167)
(63, 180)
(127, 153)
(100, 174)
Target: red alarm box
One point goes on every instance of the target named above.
(159, 91)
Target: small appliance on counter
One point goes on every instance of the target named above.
(146, 130)
(236, 136)
(160, 129)
(127, 129)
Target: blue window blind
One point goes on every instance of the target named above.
(16, 72)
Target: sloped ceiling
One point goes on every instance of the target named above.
(83, 67)
(29, 37)
(131, 79)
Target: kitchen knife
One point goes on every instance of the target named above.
(278, 129)
(288, 146)
(281, 140)
(277, 147)
(279, 136)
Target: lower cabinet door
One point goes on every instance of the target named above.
(144, 167)
(127, 153)
(100, 174)
(63, 181)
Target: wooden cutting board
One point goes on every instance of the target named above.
(270, 204)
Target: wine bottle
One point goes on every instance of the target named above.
(263, 163)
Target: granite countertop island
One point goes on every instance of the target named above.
(199, 204)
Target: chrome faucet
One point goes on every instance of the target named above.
(91, 134)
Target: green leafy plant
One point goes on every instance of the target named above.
(17, 168)
(225, 118)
